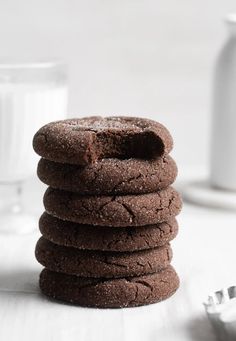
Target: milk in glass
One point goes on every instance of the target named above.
(24, 108)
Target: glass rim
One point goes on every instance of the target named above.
(31, 64)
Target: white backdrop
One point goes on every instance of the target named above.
(147, 57)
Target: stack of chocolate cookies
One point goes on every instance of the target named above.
(110, 211)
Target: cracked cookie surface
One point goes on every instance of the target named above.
(120, 210)
(105, 264)
(110, 176)
(112, 293)
(105, 238)
(86, 140)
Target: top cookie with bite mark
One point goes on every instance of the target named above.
(83, 141)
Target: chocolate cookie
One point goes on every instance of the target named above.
(110, 176)
(126, 210)
(112, 293)
(86, 140)
(102, 238)
(101, 263)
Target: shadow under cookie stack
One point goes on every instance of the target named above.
(109, 211)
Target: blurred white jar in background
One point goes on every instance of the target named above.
(223, 143)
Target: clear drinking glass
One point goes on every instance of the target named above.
(31, 95)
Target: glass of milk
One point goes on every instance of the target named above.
(31, 95)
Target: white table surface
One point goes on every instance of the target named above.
(204, 256)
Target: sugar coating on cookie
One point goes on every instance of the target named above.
(111, 293)
(86, 140)
(105, 264)
(123, 210)
(110, 176)
(105, 238)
